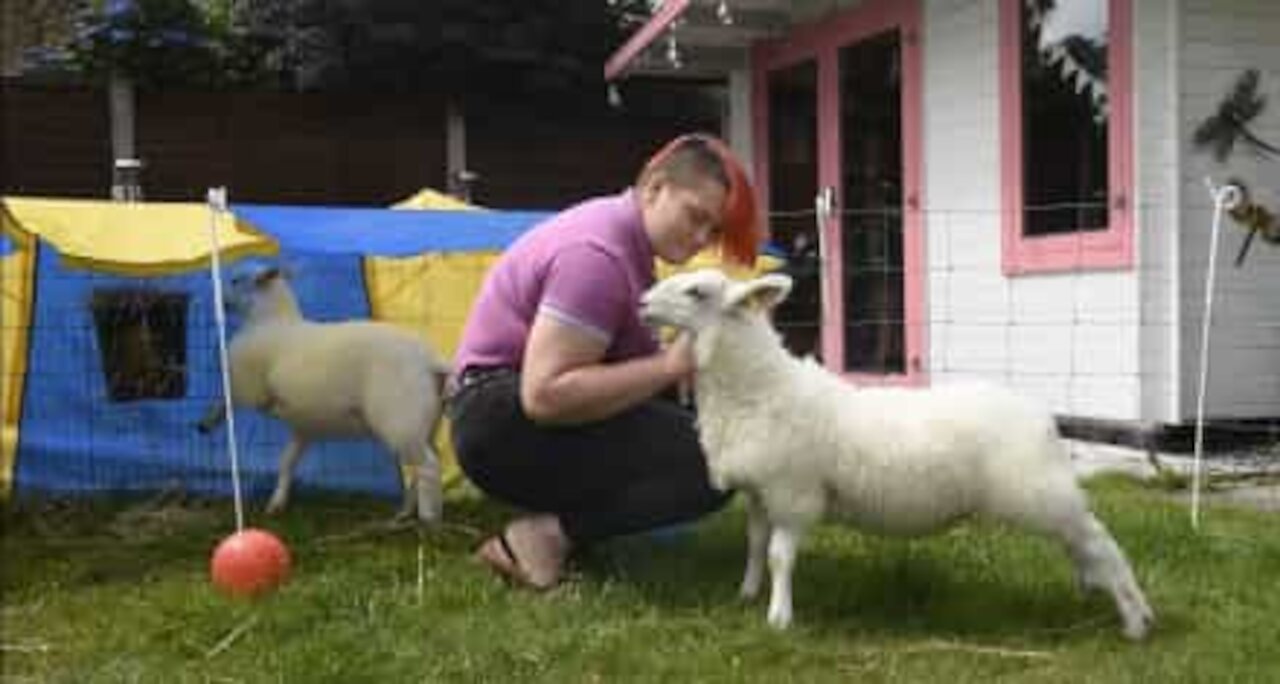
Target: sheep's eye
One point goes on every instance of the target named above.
(697, 295)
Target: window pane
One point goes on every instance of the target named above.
(871, 153)
(142, 340)
(1064, 115)
(793, 183)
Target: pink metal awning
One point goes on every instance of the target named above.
(715, 36)
(643, 37)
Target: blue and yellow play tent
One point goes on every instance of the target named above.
(108, 347)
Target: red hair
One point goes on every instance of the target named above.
(741, 233)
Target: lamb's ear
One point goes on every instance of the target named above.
(764, 292)
(267, 275)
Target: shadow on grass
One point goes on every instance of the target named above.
(975, 581)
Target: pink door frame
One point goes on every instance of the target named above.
(821, 42)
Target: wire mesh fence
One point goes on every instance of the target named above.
(1104, 343)
(112, 373)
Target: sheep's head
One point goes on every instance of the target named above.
(262, 293)
(696, 300)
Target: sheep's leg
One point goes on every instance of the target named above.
(214, 416)
(289, 458)
(757, 547)
(1101, 564)
(784, 541)
(422, 491)
(430, 497)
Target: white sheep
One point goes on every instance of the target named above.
(800, 442)
(336, 380)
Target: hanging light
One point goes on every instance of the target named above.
(673, 51)
(723, 13)
(615, 97)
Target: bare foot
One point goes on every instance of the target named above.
(530, 551)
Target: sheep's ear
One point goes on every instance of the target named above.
(764, 292)
(266, 276)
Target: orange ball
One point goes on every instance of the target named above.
(250, 563)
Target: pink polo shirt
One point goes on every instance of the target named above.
(586, 266)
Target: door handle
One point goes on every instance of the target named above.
(825, 202)
(824, 205)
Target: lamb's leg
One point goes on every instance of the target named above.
(1102, 565)
(783, 544)
(289, 458)
(757, 547)
(422, 491)
(408, 428)
(215, 414)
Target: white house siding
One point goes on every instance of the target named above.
(1156, 153)
(1071, 339)
(1219, 39)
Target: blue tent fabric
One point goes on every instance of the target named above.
(76, 439)
(386, 232)
(6, 245)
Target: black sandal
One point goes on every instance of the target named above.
(509, 566)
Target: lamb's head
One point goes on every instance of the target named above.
(262, 295)
(696, 301)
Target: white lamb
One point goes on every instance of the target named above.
(333, 380)
(799, 442)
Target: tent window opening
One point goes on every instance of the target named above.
(142, 338)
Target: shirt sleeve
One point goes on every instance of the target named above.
(587, 288)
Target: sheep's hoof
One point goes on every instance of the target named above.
(275, 507)
(1137, 628)
(428, 515)
(411, 518)
(779, 620)
(749, 591)
(401, 521)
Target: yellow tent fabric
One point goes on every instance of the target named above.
(427, 198)
(17, 276)
(429, 294)
(711, 259)
(130, 238)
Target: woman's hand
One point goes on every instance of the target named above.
(678, 358)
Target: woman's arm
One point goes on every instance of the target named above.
(564, 379)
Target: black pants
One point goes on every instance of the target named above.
(636, 471)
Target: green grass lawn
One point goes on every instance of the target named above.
(114, 591)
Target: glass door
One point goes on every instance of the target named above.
(792, 93)
(838, 124)
(871, 183)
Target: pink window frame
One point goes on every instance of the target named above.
(1085, 250)
(821, 42)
